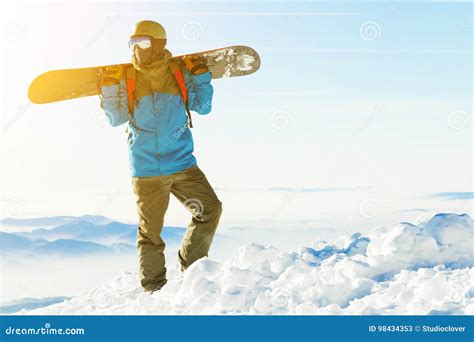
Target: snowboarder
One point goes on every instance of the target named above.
(155, 98)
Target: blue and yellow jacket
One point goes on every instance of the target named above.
(159, 139)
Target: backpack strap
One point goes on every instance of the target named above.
(131, 82)
(177, 71)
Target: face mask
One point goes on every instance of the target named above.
(143, 56)
(146, 50)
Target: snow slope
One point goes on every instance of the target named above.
(408, 269)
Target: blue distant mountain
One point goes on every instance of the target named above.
(79, 236)
(12, 244)
(64, 246)
(53, 221)
(112, 232)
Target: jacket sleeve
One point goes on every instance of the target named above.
(200, 93)
(114, 102)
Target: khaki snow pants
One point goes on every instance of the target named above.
(192, 189)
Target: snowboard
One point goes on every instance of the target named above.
(59, 85)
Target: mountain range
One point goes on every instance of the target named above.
(66, 235)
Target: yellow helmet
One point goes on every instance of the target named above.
(149, 28)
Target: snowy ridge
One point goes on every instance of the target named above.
(409, 269)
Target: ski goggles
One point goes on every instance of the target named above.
(142, 42)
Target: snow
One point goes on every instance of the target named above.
(409, 269)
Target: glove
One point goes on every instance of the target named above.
(110, 75)
(195, 65)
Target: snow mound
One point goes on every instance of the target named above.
(409, 269)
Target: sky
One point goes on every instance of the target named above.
(358, 108)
